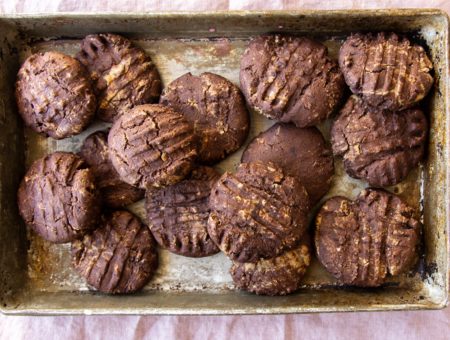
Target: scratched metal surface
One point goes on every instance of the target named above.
(48, 273)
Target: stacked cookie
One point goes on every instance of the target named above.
(153, 150)
(380, 133)
(258, 215)
(66, 197)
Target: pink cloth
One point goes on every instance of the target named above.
(393, 325)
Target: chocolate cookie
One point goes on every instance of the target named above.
(152, 146)
(378, 146)
(291, 79)
(119, 256)
(386, 70)
(58, 199)
(124, 75)
(360, 242)
(215, 108)
(280, 275)
(54, 95)
(302, 153)
(115, 192)
(257, 213)
(178, 214)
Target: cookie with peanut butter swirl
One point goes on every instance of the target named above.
(362, 242)
(152, 146)
(291, 79)
(215, 108)
(280, 275)
(178, 214)
(257, 212)
(124, 75)
(54, 95)
(379, 146)
(118, 257)
(386, 70)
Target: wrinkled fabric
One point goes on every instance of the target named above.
(386, 325)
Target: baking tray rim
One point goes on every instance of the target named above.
(399, 12)
(206, 14)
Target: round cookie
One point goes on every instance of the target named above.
(115, 192)
(301, 152)
(291, 79)
(215, 108)
(124, 75)
(380, 147)
(257, 213)
(386, 70)
(54, 95)
(178, 214)
(280, 275)
(152, 146)
(119, 256)
(58, 199)
(360, 242)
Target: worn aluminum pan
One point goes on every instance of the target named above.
(36, 277)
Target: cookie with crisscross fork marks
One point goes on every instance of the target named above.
(257, 212)
(215, 108)
(124, 75)
(119, 256)
(55, 95)
(291, 79)
(280, 275)
(386, 70)
(178, 214)
(360, 242)
(152, 146)
(58, 197)
(115, 192)
(380, 147)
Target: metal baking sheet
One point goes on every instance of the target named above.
(36, 276)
